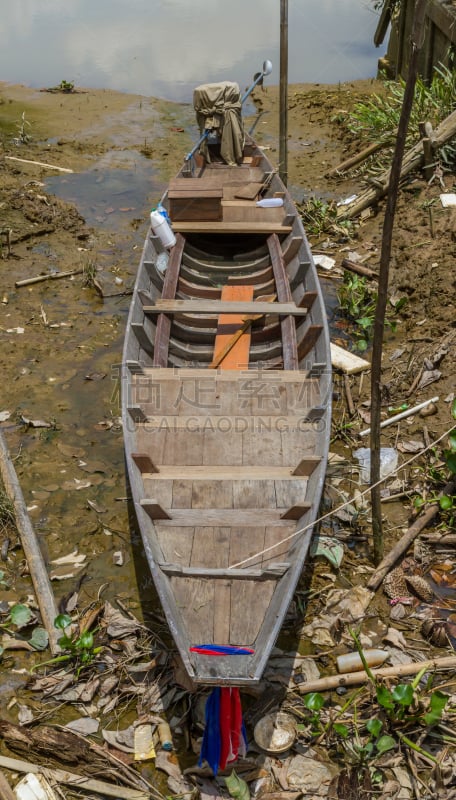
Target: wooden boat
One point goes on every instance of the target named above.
(226, 412)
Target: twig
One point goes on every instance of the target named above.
(348, 396)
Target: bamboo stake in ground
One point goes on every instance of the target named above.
(382, 296)
(41, 583)
(356, 678)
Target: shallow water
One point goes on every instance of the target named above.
(164, 49)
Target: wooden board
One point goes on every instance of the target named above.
(204, 306)
(228, 324)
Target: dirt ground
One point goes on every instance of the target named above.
(61, 340)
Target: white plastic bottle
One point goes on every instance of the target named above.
(162, 229)
(270, 202)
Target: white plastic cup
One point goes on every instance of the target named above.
(162, 229)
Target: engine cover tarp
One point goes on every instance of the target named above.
(218, 106)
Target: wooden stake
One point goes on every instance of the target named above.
(354, 678)
(35, 562)
(385, 257)
(359, 269)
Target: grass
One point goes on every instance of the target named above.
(7, 518)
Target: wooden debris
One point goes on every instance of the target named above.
(37, 163)
(347, 362)
(79, 781)
(6, 792)
(354, 678)
(358, 158)
(360, 269)
(412, 160)
(30, 545)
(404, 543)
(54, 276)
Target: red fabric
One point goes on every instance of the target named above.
(230, 725)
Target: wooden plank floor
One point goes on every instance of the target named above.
(220, 521)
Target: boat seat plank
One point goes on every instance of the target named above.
(221, 516)
(260, 226)
(203, 306)
(177, 375)
(272, 572)
(228, 473)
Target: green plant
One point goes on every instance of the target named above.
(437, 474)
(23, 137)
(89, 274)
(320, 216)
(66, 86)
(79, 646)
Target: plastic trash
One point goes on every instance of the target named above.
(270, 202)
(351, 662)
(34, 787)
(164, 735)
(162, 229)
(388, 462)
(161, 262)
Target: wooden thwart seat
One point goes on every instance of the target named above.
(272, 571)
(223, 517)
(202, 306)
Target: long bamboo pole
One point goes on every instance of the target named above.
(283, 134)
(34, 557)
(356, 678)
(385, 257)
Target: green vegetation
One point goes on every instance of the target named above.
(437, 474)
(79, 646)
(392, 715)
(320, 216)
(64, 86)
(357, 301)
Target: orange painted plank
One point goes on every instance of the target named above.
(228, 325)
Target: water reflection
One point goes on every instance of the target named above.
(166, 48)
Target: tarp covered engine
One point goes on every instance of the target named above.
(218, 109)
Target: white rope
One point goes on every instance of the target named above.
(339, 508)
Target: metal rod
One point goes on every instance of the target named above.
(283, 136)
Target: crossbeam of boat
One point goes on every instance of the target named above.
(272, 572)
(223, 307)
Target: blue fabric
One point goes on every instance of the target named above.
(211, 745)
(221, 650)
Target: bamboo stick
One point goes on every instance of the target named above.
(37, 163)
(412, 160)
(30, 546)
(359, 269)
(6, 792)
(409, 412)
(53, 277)
(78, 781)
(354, 678)
(356, 159)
